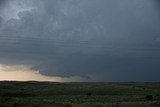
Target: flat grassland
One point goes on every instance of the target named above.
(100, 94)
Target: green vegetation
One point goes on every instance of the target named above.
(48, 94)
(89, 94)
(149, 97)
(67, 105)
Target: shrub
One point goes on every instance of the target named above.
(89, 94)
(149, 97)
(144, 88)
(67, 105)
(7, 99)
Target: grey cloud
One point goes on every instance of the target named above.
(101, 40)
(2, 2)
(1, 19)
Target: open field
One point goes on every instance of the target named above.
(47, 94)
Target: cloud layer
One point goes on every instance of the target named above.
(98, 40)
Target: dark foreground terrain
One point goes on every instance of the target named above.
(47, 94)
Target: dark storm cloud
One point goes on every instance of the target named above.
(2, 2)
(100, 40)
(1, 19)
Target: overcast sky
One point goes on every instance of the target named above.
(88, 40)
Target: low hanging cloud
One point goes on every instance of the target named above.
(98, 40)
(24, 73)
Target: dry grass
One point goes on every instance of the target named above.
(43, 94)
